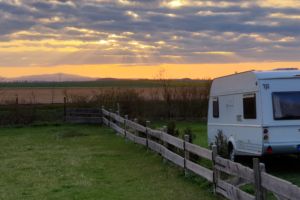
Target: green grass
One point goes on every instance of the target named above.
(87, 162)
(198, 128)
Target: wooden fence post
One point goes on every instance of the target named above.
(125, 127)
(17, 115)
(136, 132)
(65, 109)
(136, 121)
(147, 135)
(216, 173)
(102, 115)
(263, 169)
(165, 144)
(109, 118)
(259, 193)
(102, 108)
(186, 154)
(118, 109)
(118, 113)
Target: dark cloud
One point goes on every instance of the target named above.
(196, 32)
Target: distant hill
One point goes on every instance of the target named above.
(2, 79)
(60, 77)
(61, 80)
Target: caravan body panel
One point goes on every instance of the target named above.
(245, 105)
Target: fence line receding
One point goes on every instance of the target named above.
(226, 176)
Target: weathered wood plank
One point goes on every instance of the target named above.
(259, 191)
(119, 129)
(105, 121)
(172, 140)
(237, 181)
(117, 117)
(83, 114)
(111, 115)
(279, 186)
(199, 151)
(135, 126)
(105, 112)
(232, 192)
(154, 133)
(221, 191)
(233, 168)
(84, 120)
(140, 140)
(113, 126)
(84, 110)
(197, 169)
(173, 157)
(186, 154)
(154, 146)
(130, 136)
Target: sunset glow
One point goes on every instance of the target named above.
(194, 71)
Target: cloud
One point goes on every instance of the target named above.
(284, 16)
(147, 31)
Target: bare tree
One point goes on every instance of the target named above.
(167, 91)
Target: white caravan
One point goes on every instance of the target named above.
(257, 111)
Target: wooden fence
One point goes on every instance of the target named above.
(226, 176)
(83, 115)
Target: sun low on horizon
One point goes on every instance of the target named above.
(142, 38)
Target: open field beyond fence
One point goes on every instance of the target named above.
(87, 162)
(54, 92)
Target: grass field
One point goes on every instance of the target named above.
(90, 162)
(87, 162)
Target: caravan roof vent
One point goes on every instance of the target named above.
(282, 69)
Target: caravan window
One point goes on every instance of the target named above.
(216, 108)
(286, 105)
(249, 106)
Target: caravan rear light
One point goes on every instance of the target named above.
(266, 134)
(269, 150)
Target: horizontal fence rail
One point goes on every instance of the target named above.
(83, 115)
(237, 174)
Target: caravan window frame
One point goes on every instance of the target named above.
(274, 106)
(215, 107)
(250, 113)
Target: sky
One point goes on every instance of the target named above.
(143, 38)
